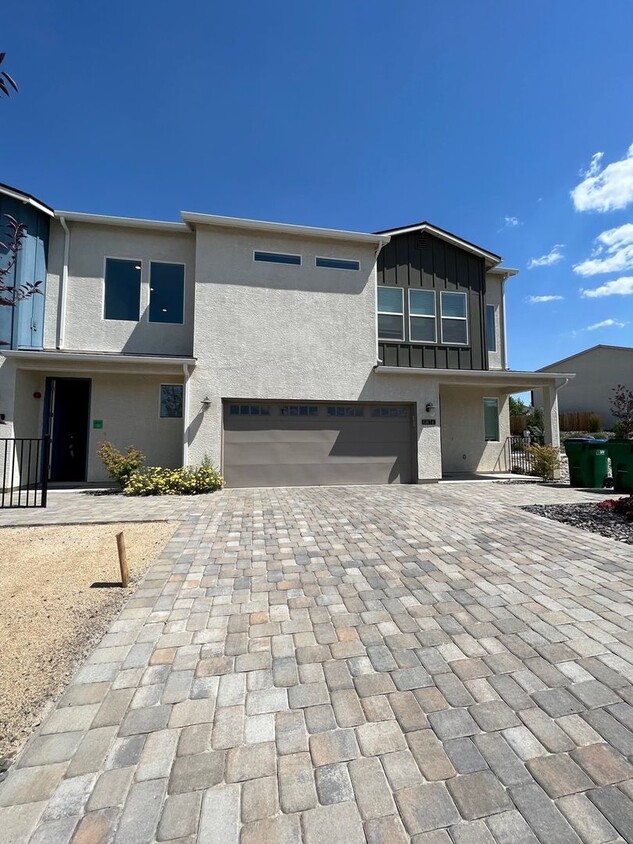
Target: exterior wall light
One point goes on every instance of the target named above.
(206, 403)
(430, 407)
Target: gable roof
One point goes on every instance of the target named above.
(448, 237)
(26, 198)
(585, 352)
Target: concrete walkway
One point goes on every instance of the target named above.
(383, 664)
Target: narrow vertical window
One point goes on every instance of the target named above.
(491, 420)
(491, 328)
(390, 313)
(166, 292)
(422, 325)
(454, 318)
(122, 298)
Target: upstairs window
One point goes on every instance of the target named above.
(454, 318)
(122, 297)
(422, 325)
(337, 264)
(491, 328)
(390, 313)
(277, 258)
(166, 292)
(491, 420)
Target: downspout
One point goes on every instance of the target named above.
(63, 290)
(185, 414)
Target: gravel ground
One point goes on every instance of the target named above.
(50, 617)
(588, 517)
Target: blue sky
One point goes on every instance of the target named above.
(478, 116)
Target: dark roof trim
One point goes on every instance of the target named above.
(445, 235)
(7, 190)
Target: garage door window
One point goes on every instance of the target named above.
(299, 410)
(390, 412)
(249, 410)
(343, 410)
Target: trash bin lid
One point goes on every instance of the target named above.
(582, 440)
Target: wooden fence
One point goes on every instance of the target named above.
(584, 420)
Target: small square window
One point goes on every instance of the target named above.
(171, 401)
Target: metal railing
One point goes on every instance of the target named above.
(517, 457)
(24, 465)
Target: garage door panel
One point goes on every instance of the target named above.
(368, 444)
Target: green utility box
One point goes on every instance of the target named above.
(621, 454)
(588, 462)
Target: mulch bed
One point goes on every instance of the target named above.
(587, 517)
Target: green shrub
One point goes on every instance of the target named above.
(545, 461)
(620, 430)
(118, 465)
(189, 480)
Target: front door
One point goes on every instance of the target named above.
(68, 402)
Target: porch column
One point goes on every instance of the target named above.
(550, 420)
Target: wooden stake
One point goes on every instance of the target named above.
(120, 544)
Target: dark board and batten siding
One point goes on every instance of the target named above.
(423, 261)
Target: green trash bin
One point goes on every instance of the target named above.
(588, 462)
(621, 454)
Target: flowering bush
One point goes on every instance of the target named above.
(120, 466)
(189, 480)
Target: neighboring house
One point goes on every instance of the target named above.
(287, 354)
(597, 371)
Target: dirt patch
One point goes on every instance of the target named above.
(51, 616)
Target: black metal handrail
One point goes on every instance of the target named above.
(517, 456)
(24, 462)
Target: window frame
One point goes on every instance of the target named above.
(281, 254)
(496, 401)
(354, 269)
(491, 336)
(460, 319)
(380, 313)
(107, 258)
(184, 285)
(421, 316)
(160, 399)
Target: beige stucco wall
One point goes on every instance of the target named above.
(494, 296)
(464, 448)
(86, 330)
(597, 372)
(128, 406)
(272, 331)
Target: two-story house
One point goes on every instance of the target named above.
(289, 355)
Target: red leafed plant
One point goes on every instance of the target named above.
(621, 506)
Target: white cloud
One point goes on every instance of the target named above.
(552, 257)
(536, 300)
(613, 252)
(606, 323)
(511, 222)
(605, 190)
(618, 287)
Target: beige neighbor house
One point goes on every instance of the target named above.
(597, 371)
(287, 354)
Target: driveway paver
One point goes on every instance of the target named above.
(351, 664)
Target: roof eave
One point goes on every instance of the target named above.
(126, 222)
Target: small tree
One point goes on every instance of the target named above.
(622, 408)
(517, 407)
(12, 236)
(6, 82)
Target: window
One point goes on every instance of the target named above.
(171, 401)
(342, 410)
(454, 319)
(249, 410)
(166, 292)
(422, 316)
(391, 412)
(122, 299)
(491, 420)
(491, 332)
(276, 258)
(299, 410)
(390, 313)
(337, 264)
